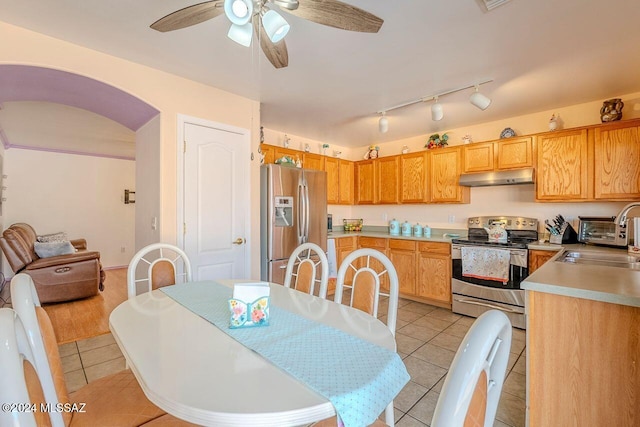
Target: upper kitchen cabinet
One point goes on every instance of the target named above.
(387, 180)
(413, 178)
(313, 161)
(445, 166)
(339, 181)
(617, 161)
(365, 178)
(512, 153)
(562, 166)
(281, 151)
(268, 151)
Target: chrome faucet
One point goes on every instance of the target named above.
(621, 218)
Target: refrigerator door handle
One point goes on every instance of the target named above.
(301, 213)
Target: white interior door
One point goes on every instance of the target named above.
(216, 201)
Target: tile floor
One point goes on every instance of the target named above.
(427, 339)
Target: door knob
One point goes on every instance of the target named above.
(239, 241)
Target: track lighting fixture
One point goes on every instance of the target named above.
(383, 123)
(436, 111)
(479, 100)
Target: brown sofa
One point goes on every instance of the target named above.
(58, 278)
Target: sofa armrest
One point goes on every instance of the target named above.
(63, 259)
(79, 244)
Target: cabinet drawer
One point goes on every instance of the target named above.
(373, 242)
(435, 247)
(346, 242)
(407, 245)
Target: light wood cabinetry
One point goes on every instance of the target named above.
(387, 180)
(503, 154)
(582, 362)
(313, 161)
(365, 178)
(413, 178)
(268, 151)
(479, 157)
(617, 161)
(434, 272)
(346, 170)
(344, 246)
(279, 152)
(538, 257)
(339, 181)
(402, 254)
(379, 244)
(445, 166)
(562, 166)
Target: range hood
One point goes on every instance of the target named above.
(508, 177)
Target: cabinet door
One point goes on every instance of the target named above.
(617, 162)
(515, 153)
(413, 178)
(402, 254)
(268, 152)
(346, 182)
(387, 179)
(312, 161)
(344, 246)
(562, 166)
(379, 244)
(434, 277)
(537, 258)
(479, 157)
(365, 180)
(281, 151)
(444, 174)
(332, 168)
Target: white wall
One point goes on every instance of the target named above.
(147, 184)
(81, 195)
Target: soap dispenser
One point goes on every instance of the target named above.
(394, 227)
(406, 228)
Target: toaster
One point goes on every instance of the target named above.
(603, 231)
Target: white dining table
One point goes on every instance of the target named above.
(193, 370)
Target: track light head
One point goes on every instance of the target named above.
(383, 123)
(479, 100)
(437, 113)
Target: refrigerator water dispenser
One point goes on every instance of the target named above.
(284, 211)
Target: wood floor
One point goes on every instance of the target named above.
(89, 317)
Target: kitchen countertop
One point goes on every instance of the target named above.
(437, 235)
(615, 285)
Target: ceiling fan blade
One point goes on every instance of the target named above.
(276, 53)
(337, 14)
(188, 16)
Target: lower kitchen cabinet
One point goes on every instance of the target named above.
(434, 273)
(537, 258)
(344, 246)
(402, 254)
(380, 245)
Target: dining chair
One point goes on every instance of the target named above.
(472, 388)
(304, 271)
(365, 290)
(163, 265)
(115, 400)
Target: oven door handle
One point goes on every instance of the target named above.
(484, 304)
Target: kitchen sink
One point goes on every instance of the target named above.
(604, 259)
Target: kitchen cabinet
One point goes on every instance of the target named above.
(346, 171)
(503, 154)
(413, 178)
(313, 161)
(268, 151)
(445, 166)
(433, 280)
(339, 181)
(402, 254)
(344, 246)
(379, 244)
(387, 175)
(582, 362)
(537, 258)
(365, 179)
(617, 161)
(279, 152)
(562, 166)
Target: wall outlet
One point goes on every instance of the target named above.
(452, 219)
(384, 217)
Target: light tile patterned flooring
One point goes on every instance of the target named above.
(427, 339)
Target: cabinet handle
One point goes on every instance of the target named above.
(496, 307)
(63, 269)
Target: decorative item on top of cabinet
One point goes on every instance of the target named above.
(553, 122)
(611, 110)
(617, 161)
(413, 178)
(372, 152)
(445, 166)
(507, 133)
(437, 141)
(562, 166)
(538, 257)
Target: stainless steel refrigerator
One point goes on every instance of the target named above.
(293, 211)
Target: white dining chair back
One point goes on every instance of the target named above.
(365, 290)
(157, 265)
(308, 265)
(472, 388)
(18, 376)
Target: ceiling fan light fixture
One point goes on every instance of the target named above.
(383, 123)
(479, 100)
(239, 12)
(437, 113)
(275, 26)
(241, 34)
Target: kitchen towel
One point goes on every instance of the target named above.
(486, 263)
(331, 257)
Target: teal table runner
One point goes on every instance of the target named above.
(358, 377)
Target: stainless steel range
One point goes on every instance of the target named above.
(487, 274)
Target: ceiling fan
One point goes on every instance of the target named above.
(262, 18)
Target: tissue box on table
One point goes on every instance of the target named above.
(249, 305)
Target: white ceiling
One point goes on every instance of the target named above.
(541, 54)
